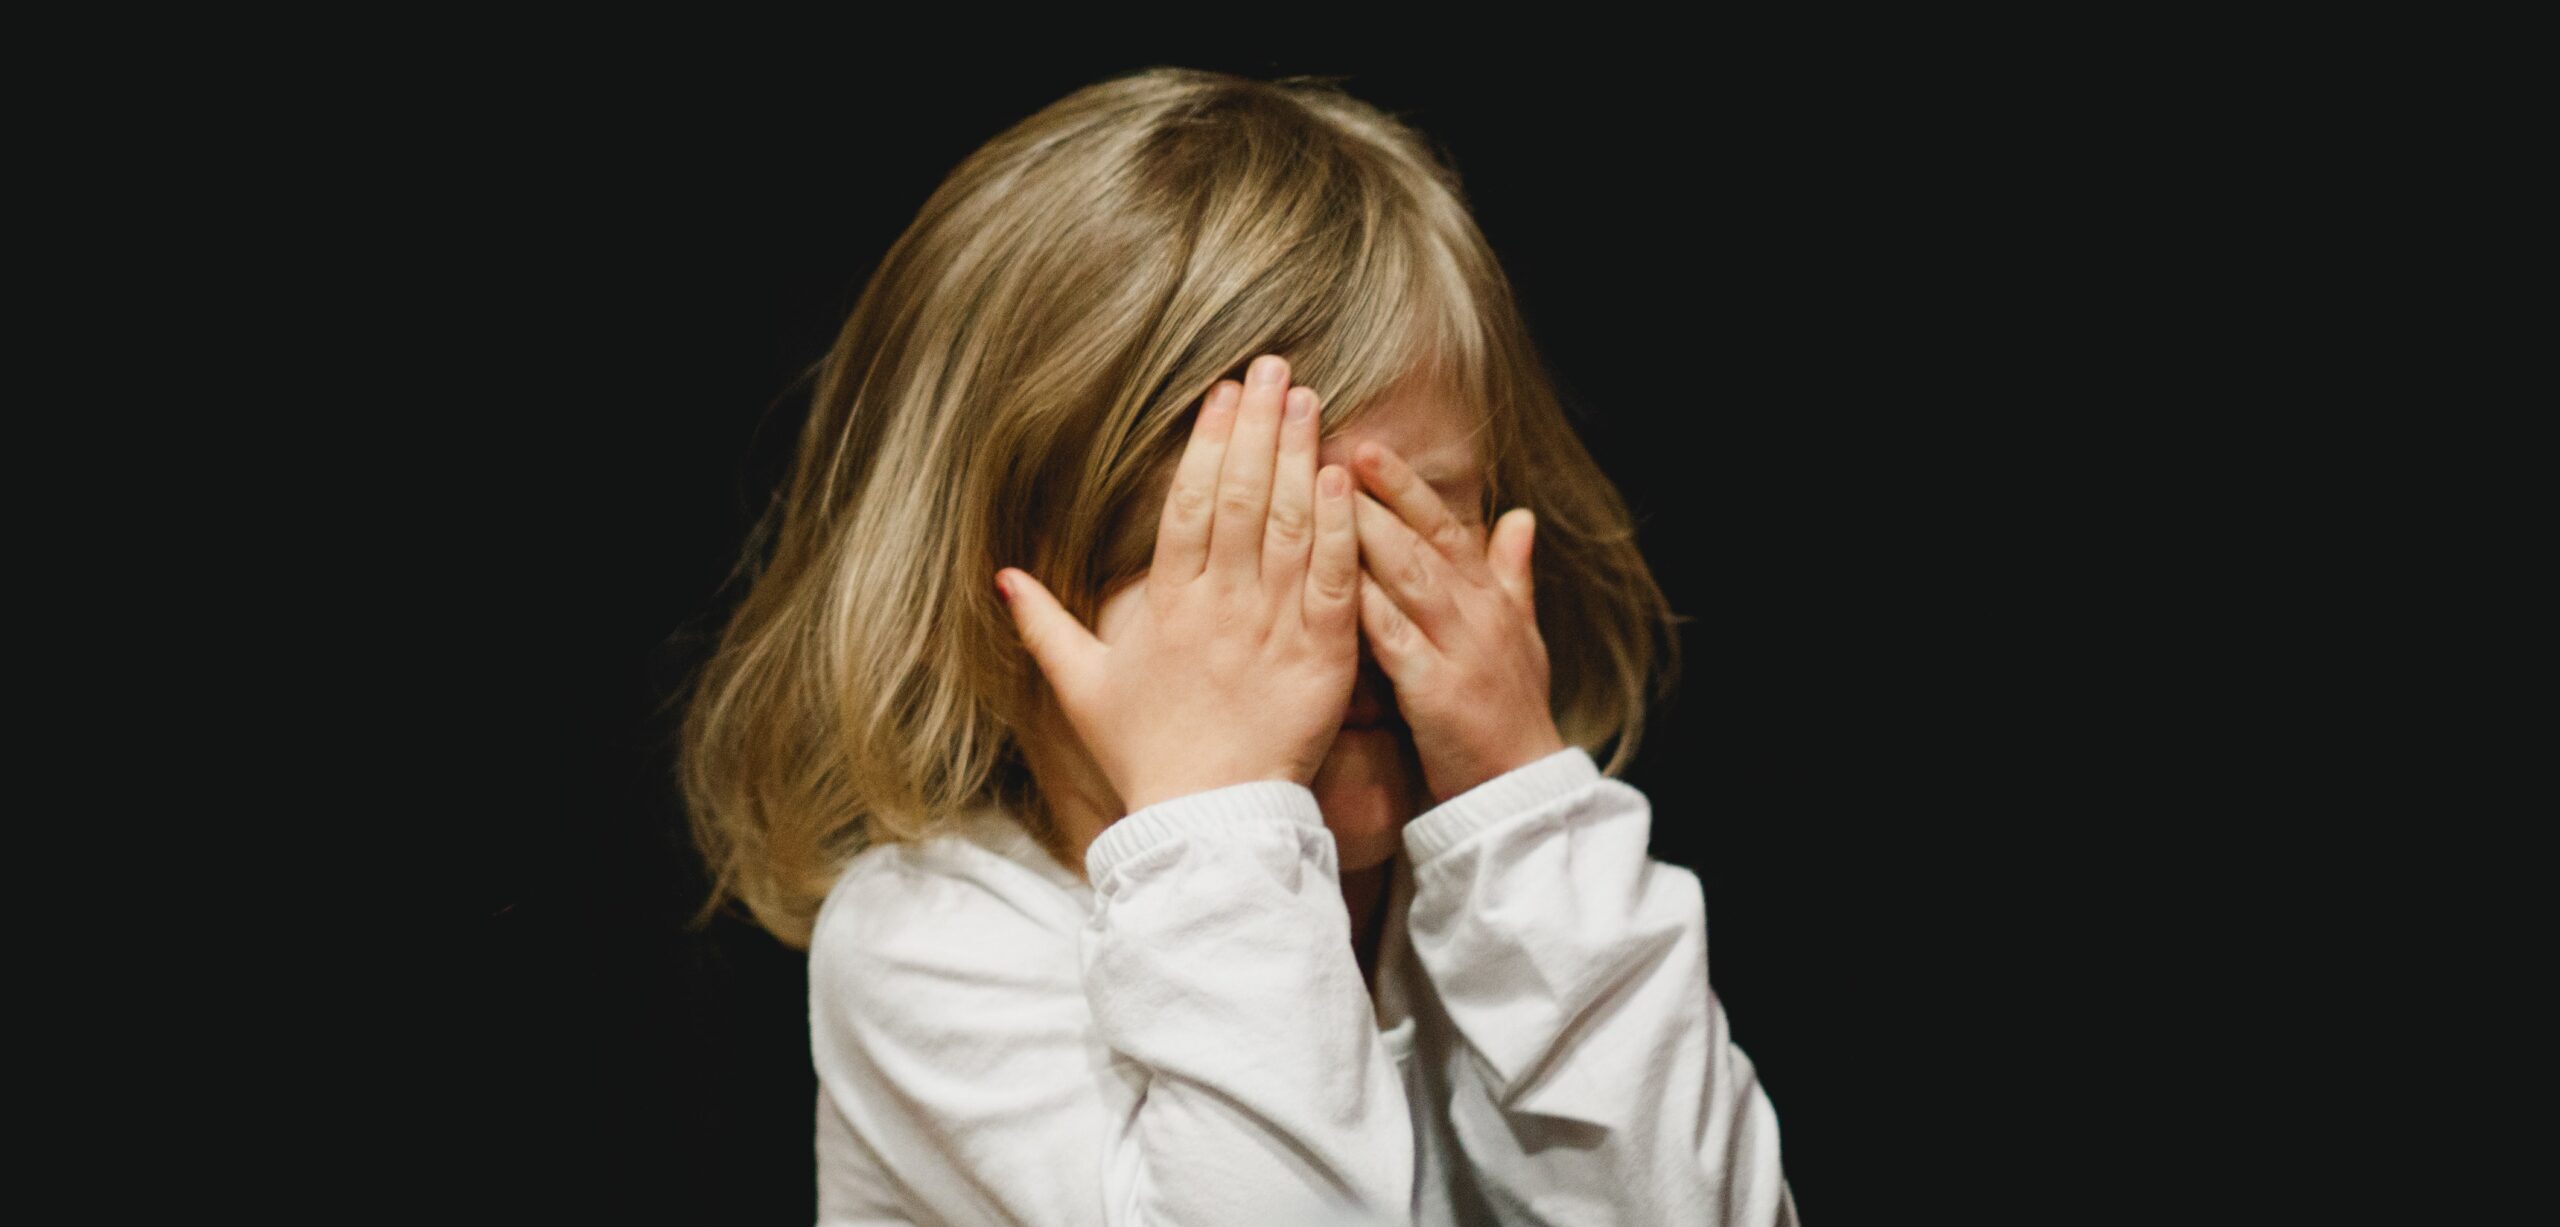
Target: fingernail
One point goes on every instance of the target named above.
(1302, 404)
(1335, 483)
(1266, 369)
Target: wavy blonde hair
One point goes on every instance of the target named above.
(1014, 387)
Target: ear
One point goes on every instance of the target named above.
(1507, 552)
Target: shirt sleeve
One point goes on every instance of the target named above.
(1219, 964)
(953, 1055)
(1239, 1076)
(1599, 1082)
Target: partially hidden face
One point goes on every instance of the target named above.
(1370, 783)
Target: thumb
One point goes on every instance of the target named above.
(1510, 546)
(1058, 643)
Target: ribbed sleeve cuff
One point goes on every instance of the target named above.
(1451, 822)
(1255, 803)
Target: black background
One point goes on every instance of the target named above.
(1900, 359)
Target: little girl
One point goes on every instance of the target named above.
(1238, 856)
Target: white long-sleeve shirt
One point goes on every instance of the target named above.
(1188, 1039)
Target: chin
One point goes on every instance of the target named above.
(1367, 787)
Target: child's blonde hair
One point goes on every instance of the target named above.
(1013, 388)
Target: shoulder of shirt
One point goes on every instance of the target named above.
(977, 895)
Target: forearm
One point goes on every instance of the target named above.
(1219, 966)
(1599, 1079)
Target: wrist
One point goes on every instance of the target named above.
(1473, 769)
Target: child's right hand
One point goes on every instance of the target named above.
(1238, 664)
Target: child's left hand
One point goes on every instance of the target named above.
(1449, 613)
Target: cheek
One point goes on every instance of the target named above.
(1468, 507)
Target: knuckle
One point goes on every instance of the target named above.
(1189, 503)
(1289, 523)
(1238, 500)
(1214, 601)
(1398, 631)
(1239, 634)
(1389, 622)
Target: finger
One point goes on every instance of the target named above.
(1244, 478)
(1392, 637)
(1290, 534)
(1507, 554)
(1182, 535)
(1333, 575)
(1065, 651)
(1412, 573)
(1396, 485)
